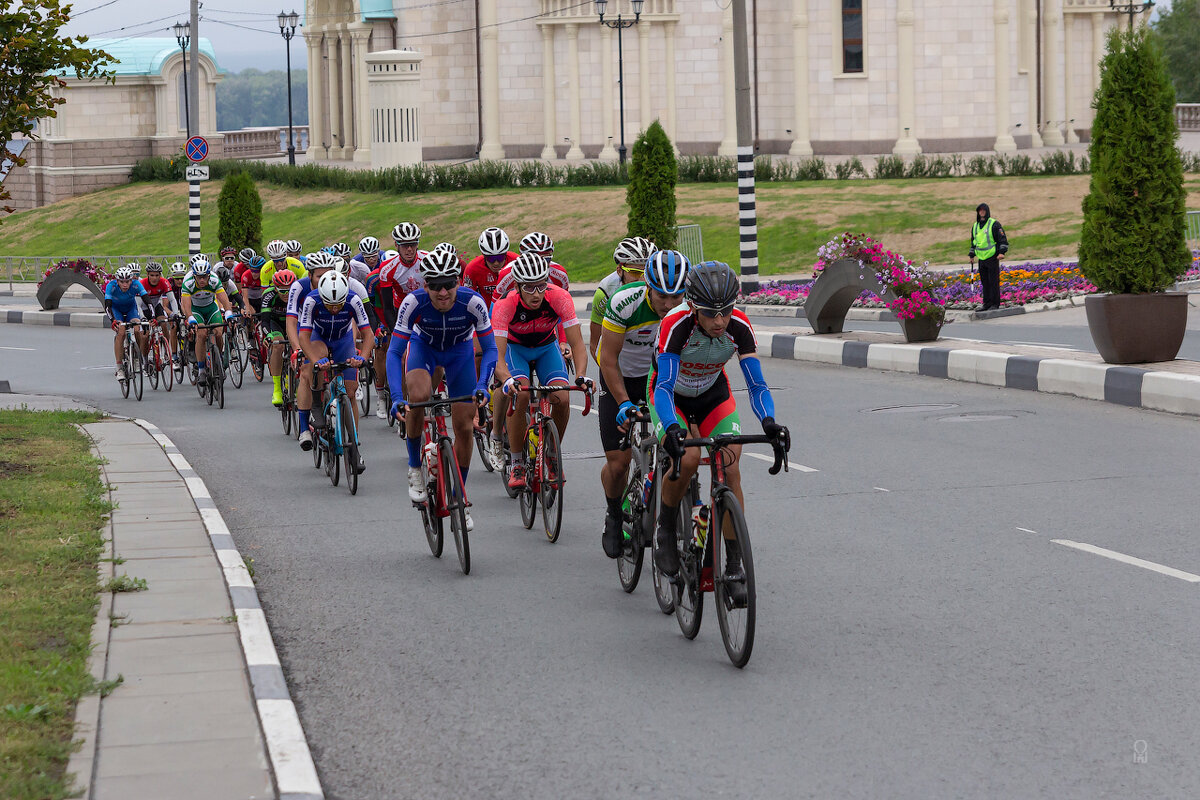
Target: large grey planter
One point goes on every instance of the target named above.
(56, 284)
(836, 289)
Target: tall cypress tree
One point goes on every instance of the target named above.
(651, 190)
(1133, 237)
(240, 209)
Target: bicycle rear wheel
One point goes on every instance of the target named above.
(551, 481)
(456, 504)
(365, 381)
(349, 448)
(482, 434)
(689, 600)
(180, 362)
(285, 410)
(219, 389)
(127, 365)
(166, 369)
(152, 360)
(237, 357)
(138, 379)
(526, 497)
(736, 619)
(333, 459)
(629, 563)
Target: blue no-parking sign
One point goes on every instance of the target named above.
(196, 148)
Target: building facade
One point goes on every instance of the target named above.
(538, 78)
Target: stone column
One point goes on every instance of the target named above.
(362, 106)
(1051, 76)
(349, 107)
(1068, 84)
(335, 109)
(645, 110)
(1098, 34)
(549, 111)
(1033, 123)
(669, 69)
(728, 145)
(574, 153)
(489, 46)
(608, 107)
(1003, 104)
(801, 146)
(906, 143)
(316, 99)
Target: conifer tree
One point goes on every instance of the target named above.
(240, 209)
(651, 190)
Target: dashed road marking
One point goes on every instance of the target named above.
(771, 460)
(1131, 560)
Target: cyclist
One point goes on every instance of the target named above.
(121, 306)
(434, 328)
(279, 259)
(203, 298)
(328, 319)
(273, 317)
(294, 250)
(630, 255)
(542, 245)
(483, 273)
(382, 331)
(247, 274)
(631, 325)
(159, 294)
(179, 271)
(691, 393)
(526, 322)
(400, 275)
(368, 257)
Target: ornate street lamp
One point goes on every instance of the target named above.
(287, 29)
(620, 25)
(181, 32)
(1131, 7)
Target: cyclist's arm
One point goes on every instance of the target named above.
(487, 340)
(611, 345)
(578, 351)
(364, 326)
(185, 302)
(304, 326)
(399, 346)
(760, 394)
(596, 329)
(664, 389)
(501, 372)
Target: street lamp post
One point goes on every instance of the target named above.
(621, 24)
(287, 29)
(1130, 7)
(181, 32)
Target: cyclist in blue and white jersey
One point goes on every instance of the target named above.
(122, 307)
(435, 327)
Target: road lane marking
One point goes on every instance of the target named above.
(1132, 560)
(27, 349)
(771, 460)
(881, 489)
(1026, 530)
(577, 408)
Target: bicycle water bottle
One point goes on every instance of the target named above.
(533, 443)
(646, 488)
(699, 526)
(431, 454)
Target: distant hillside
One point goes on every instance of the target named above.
(253, 98)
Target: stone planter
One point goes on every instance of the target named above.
(1137, 328)
(923, 329)
(836, 289)
(56, 283)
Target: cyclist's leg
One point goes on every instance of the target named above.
(119, 337)
(418, 388)
(459, 365)
(723, 418)
(672, 490)
(517, 360)
(304, 392)
(551, 369)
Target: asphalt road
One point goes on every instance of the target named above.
(921, 633)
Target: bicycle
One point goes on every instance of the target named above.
(483, 428)
(234, 351)
(161, 368)
(639, 509)
(289, 380)
(701, 566)
(213, 388)
(183, 350)
(542, 455)
(133, 361)
(336, 439)
(257, 352)
(445, 495)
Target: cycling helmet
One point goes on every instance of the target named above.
(340, 249)
(368, 246)
(340, 264)
(712, 285)
(530, 268)
(666, 271)
(294, 247)
(493, 242)
(276, 248)
(334, 288)
(257, 263)
(123, 274)
(440, 263)
(198, 257)
(406, 233)
(283, 279)
(537, 242)
(320, 260)
(228, 251)
(135, 268)
(201, 267)
(246, 255)
(153, 268)
(633, 250)
(179, 270)
(448, 247)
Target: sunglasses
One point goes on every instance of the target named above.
(716, 312)
(534, 288)
(334, 308)
(441, 286)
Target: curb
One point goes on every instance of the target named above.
(295, 772)
(952, 315)
(1127, 386)
(74, 319)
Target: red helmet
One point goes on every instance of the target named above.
(228, 251)
(283, 279)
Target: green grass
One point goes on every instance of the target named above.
(51, 508)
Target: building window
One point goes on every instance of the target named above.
(852, 36)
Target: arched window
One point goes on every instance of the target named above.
(852, 36)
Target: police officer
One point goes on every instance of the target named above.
(989, 245)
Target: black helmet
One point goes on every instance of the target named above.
(712, 286)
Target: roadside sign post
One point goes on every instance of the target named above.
(196, 150)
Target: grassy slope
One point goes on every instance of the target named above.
(51, 509)
(925, 220)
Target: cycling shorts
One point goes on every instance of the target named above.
(274, 325)
(607, 406)
(458, 362)
(208, 315)
(130, 314)
(713, 412)
(546, 360)
(340, 350)
(156, 307)
(255, 302)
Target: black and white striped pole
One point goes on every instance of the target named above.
(747, 212)
(193, 217)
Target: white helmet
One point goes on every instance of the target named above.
(334, 288)
(440, 264)
(135, 268)
(448, 247)
(179, 269)
(320, 260)
(530, 268)
(406, 233)
(634, 250)
(276, 248)
(123, 274)
(368, 246)
(198, 257)
(493, 242)
(537, 242)
(293, 247)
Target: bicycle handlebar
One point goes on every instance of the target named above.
(726, 439)
(578, 387)
(440, 400)
(640, 414)
(336, 365)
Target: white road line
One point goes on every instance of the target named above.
(771, 460)
(577, 408)
(1026, 530)
(1124, 559)
(881, 489)
(27, 349)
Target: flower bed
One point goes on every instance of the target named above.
(85, 268)
(1020, 285)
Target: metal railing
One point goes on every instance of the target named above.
(689, 242)
(1187, 116)
(31, 268)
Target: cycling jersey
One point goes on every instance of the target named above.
(441, 330)
(558, 277)
(122, 304)
(273, 312)
(442, 338)
(631, 315)
(403, 279)
(301, 289)
(533, 327)
(328, 326)
(479, 276)
(607, 288)
(248, 278)
(156, 294)
(201, 297)
(701, 357)
(269, 269)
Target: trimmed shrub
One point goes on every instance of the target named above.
(651, 190)
(981, 167)
(889, 167)
(240, 210)
(850, 168)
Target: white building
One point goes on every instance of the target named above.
(839, 76)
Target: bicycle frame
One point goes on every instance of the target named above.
(435, 432)
(336, 391)
(538, 415)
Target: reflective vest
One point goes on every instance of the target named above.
(982, 240)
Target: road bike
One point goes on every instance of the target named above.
(159, 359)
(234, 351)
(183, 351)
(483, 432)
(259, 353)
(541, 453)
(213, 387)
(639, 509)
(335, 439)
(701, 543)
(288, 381)
(445, 495)
(133, 363)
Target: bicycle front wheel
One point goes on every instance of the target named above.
(365, 380)
(349, 448)
(551, 481)
(629, 563)
(689, 599)
(333, 458)
(165, 366)
(734, 596)
(153, 361)
(456, 504)
(138, 379)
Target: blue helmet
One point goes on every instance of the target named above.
(200, 266)
(666, 271)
